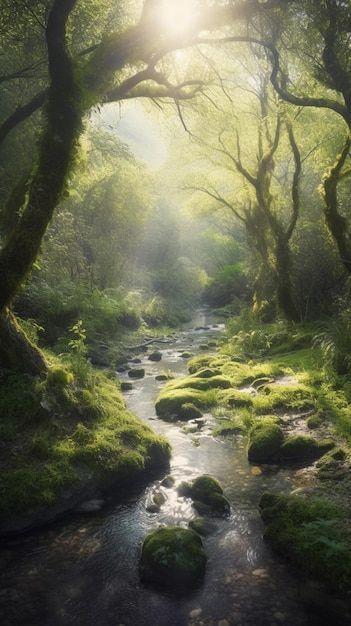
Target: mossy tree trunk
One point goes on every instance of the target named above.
(57, 145)
(16, 351)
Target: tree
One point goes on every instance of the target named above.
(253, 143)
(124, 60)
(323, 82)
(74, 85)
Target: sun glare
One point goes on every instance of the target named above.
(178, 17)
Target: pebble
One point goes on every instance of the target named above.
(195, 613)
(223, 622)
(260, 572)
(280, 617)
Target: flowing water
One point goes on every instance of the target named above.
(82, 570)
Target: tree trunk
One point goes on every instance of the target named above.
(337, 223)
(57, 145)
(285, 300)
(16, 350)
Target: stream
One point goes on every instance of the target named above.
(82, 570)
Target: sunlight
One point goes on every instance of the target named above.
(178, 17)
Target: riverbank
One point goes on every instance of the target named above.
(65, 440)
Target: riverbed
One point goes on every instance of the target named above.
(83, 570)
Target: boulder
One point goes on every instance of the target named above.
(136, 372)
(265, 440)
(173, 558)
(155, 356)
(207, 494)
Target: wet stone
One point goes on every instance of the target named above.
(280, 617)
(195, 613)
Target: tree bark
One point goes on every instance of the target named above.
(16, 351)
(63, 120)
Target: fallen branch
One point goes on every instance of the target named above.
(146, 343)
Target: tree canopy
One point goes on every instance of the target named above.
(63, 58)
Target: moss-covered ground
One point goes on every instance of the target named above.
(295, 409)
(59, 433)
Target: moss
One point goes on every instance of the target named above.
(189, 411)
(203, 527)
(314, 421)
(265, 439)
(198, 382)
(308, 532)
(105, 441)
(59, 376)
(173, 558)
(169, 404)
(203, 487)
(207, 495)
(235, 398)
(299, 447)
(207, 372)
(200, 362)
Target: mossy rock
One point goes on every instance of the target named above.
(265, 440)
(332, 465)
(307, 531)
(189, 411)
(126, 386)
(161, 377)
(155, 356)
(200, 362)
(173, 558)
(169, 403)
(314, 421)
(186, 355)
(203, 384)
(298, 447)
(203, 527)
(219, 504)
(58, 376)
(270, 504)
(207, 372)
(260, 382)
(204, 486)
(206, 490)
(136, 372)
(235, 398)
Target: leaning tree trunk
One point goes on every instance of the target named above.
(16, 351)
(57, 145)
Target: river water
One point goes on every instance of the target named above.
(82, 570)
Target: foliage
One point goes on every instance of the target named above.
(309, 533)
(335, 342)
(228, 284)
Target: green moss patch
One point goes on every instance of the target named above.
(207, 495)
(197, 391)
(299, 447)
(265, 439)
(63, 435)
(310, 532)
(173, 558)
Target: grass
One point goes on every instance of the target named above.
(309, 532)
